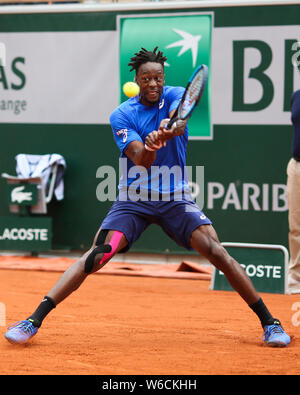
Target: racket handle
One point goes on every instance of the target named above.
(170, 123)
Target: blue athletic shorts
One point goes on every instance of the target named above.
(177, 218)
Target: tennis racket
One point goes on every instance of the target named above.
(191, 96)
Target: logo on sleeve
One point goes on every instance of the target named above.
(123, 132)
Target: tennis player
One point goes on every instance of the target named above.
(147, 147)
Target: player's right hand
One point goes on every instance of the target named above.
(155, 140)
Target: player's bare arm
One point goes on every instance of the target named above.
(145, 154)
(139, 155)
(157, 139)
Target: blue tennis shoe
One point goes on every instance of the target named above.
(275, 336)
(20, 332)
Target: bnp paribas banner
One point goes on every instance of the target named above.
(255, 71)
(58, 77)
(186, 42)
(75, 77)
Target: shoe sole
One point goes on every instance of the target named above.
(277, 344)
(12, 341)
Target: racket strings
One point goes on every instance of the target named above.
(192, 93)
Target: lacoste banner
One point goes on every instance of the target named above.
(25, 233)
(266, 266)
(58, 77)
(186, 42)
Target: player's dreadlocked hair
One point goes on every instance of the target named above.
(145, 56)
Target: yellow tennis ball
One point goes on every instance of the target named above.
(131, 89)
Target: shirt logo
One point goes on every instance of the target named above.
(123, 132)
(161, 104)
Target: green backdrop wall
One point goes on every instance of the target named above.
(246, 155)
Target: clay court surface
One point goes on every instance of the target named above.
(130, 325)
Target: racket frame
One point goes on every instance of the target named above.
(175, 116)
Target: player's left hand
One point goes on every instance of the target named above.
(176, 129)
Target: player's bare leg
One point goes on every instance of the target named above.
(75, 275)
(205, 240)
(103, 249)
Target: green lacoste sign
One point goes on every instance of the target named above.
(22, 194)
(25, 233)
(265, 265)
(186, 42)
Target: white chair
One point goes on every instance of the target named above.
(47, 176)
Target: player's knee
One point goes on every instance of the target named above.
(218, 255)
(95, 257)
(102, 252)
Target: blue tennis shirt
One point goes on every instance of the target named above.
(133, 121)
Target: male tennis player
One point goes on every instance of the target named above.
(146, 148)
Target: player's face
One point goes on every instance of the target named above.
(150, 78)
